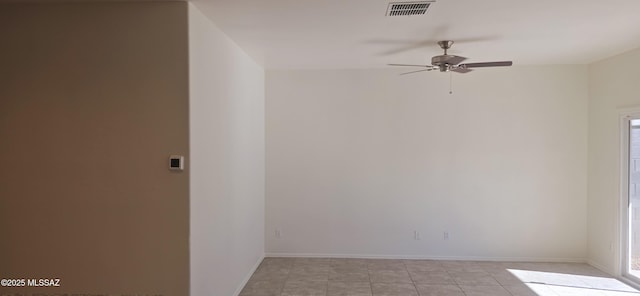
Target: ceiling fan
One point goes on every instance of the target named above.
(446, 62)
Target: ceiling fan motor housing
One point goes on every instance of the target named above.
(441, 61)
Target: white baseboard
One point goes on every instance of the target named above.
(427, 257)
(248, 276)
(629, 282)
(617, 274)
(602, 267)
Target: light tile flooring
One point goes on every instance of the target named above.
(382, 277)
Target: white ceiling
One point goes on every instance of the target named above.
(357, 34)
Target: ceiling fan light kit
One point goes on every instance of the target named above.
(447, 62)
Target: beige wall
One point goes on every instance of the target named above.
(613, 88)
(93, 99)
(357, 160)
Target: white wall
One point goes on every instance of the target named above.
(613, 86)
(359, 159)
(227, 160)
(93, 100)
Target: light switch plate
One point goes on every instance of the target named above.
(176, 162)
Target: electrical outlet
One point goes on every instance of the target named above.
(445, 235)
(611, 246)
(277, 233)
(416, 235)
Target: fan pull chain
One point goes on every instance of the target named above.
(450, 83)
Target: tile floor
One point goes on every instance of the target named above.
(384, 277)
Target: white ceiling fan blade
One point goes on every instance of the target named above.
(487, 64)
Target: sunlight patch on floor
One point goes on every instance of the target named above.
(554, 284)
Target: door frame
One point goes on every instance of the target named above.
(623, 230)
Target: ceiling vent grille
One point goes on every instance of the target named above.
(408, 8)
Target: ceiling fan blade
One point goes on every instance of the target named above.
(487, 64)
(461, 70)
(416, 71)
(407, 65)
(409, 45)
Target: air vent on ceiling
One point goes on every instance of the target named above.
(408, 8)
